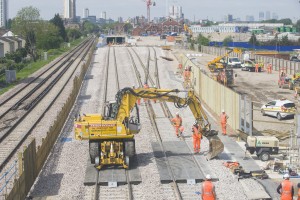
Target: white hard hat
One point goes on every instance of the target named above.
(177, 113)
(195, 123)
(286, 176)
(223, 110)
(208, 177)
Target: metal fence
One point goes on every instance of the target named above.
(291, 67)
(6, 178)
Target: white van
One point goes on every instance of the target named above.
(234, 62)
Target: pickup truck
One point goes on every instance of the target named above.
(249, 65)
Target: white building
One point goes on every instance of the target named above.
(261, 16)
(211, 29)
(254, 25)
(86, 13)
(175, 12)
(70, 9)
(103, 15)
(3, 12)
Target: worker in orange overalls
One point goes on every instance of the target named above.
(224, 118)
(298, 191)
(197, 136)
(286, 189)
(177, 123)
(270, 68)
(256, 67)
(208, 189)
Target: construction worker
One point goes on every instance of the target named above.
(256, 67)
(208, 189)
(197, 136)
(269, 68)
(286, 189)
(224, 118)
(298, 191)
(177, 122)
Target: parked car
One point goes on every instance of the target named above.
(234, 62)
(279, 108)
(295, 59)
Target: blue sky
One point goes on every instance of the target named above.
(198, 9)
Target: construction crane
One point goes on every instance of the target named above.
(149, 3)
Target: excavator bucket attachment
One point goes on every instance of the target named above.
(216, 146)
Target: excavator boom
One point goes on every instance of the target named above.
(111, 135)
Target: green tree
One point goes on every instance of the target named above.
(128, 28)
(227, 40)
(286, 21)
(25, 24)
(48, 36)
(73, 34)
(201, 40)
(253, 40)
(58, 22)
(298, 25)
(9, 23)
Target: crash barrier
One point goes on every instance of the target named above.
(32, 159)
(291, 67)
(215, 95)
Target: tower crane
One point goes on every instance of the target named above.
(149, 3)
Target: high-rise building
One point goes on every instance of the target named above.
(249, 18)
(70, 9)
(175, 12)
(120, 19)
(268, 15)
(274, 16)
(229, 18)
(261, 16)
(3, 12)
(103, 15)
(86, 13)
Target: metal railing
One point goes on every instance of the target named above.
(6, 177)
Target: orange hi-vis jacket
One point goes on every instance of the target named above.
(286, 190)
(207, 191)
(177, 121)
(196, 134)
(298, 193)
(223, 118)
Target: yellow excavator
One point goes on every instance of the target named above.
(217, 65)
(188, 30)
(111, 135)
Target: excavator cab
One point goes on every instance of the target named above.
(132, 122)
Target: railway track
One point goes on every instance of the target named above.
(26, 113)
(106, 192)
(173, 186)
(181, 191)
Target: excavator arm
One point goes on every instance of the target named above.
(212, 64)
(127, 97)
(111, 135)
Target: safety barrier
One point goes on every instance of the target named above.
(32, 159)
(291, 67)
(215, 95)
(7, 176)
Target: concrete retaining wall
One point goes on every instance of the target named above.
(214, 94)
